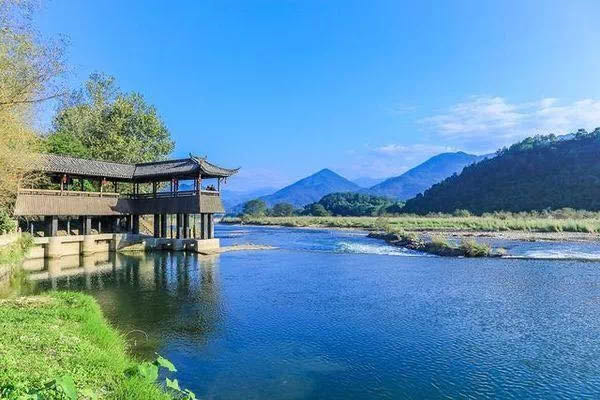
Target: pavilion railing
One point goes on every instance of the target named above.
(162, 195)
(70, 193)
(157, 195)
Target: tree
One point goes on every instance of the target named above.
(316, 209)
(282, 210)
(30, 71)
(255, 208)
(101, 122)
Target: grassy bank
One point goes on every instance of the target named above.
(436, 223)
(13, 280)
(45, 338)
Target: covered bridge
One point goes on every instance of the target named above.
(122, 193)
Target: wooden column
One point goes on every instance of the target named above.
(156, 223)
(129, 223)
(68, 226)
(186, 226)
(51, 225)
(179, 226)
(86, 225)
(211, 226)
(205, 226)
(163, 226)
(136, 224)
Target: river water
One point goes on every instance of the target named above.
(335, 315)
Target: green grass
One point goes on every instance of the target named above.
(46, 337)
(488, 223)
(11, 257)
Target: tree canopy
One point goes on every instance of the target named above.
(31, 68)
(352, 204)
(282, 210)
(101, 122)
(255, 208)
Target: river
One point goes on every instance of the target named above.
(332, 314)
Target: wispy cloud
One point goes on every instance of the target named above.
(418, 150)
(485, 121)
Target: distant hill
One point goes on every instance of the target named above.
(311, 189)
(424, 175)
(538, 173)
(231, 198)
(367, 182)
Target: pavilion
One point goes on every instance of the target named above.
(153, 189)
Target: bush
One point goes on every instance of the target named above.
(7, 224)
(473, 249)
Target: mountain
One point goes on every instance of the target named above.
(367, 182)
(311, 189)
(421, 177)
(538, 173)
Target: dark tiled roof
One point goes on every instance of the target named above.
(79, 166)
(187, 167)
(161, 168)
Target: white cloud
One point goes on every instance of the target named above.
(491, 122)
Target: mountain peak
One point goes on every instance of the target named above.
(311, 189)
(424, 175)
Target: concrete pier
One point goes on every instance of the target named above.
(59, 246)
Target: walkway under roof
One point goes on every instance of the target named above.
(182, 169)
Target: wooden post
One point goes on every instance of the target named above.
(163, 226)
(82, 184)
(205, 226)
(51, 225)
(68, 226)
(179, 226)
(211, 226)
(186, 226)
(136, 224)
(156, 225)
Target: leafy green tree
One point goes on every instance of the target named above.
(30, 70)
(282, 210)
(101, 122)
(255, 208)
(316, 209)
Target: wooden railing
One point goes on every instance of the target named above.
(71, 193)
(162, 195)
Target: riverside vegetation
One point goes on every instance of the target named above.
(564, 220)
(59, 346)
(403, 230)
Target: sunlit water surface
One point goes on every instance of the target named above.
(334, 315)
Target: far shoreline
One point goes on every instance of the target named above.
(454, 234)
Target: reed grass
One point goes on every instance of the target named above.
(487, 223)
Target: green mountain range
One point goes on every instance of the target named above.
(541, 172)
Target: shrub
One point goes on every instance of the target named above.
(471, 248)
(7, 224)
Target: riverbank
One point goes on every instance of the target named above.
(63, 336)
(526, 229)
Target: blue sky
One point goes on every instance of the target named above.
(366, 88)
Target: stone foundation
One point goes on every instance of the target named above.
(59, 246)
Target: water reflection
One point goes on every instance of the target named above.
(152, 298)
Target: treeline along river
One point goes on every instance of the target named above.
(332, 314)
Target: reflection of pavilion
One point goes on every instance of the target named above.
(167, 295)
